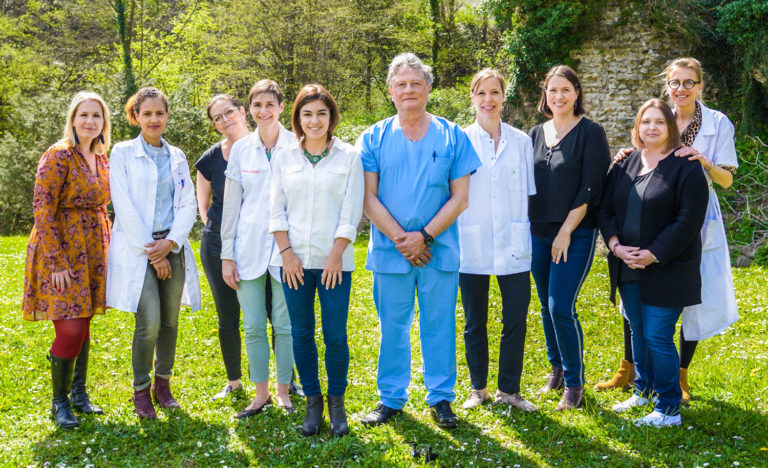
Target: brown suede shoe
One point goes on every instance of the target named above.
(161, 391)
(142, 401)
(554, 381)
(572, 397)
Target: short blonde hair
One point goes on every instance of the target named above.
(482, 75)
(100, 144)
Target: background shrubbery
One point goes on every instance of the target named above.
(192, 49)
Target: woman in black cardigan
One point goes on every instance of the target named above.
(651, 215)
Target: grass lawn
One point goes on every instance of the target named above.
(725, 425)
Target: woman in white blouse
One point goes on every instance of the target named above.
(495, 239)
(316, 204)
(247, 246)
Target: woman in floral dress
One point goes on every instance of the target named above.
(65, 271)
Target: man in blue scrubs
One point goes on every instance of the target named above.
(417, 169)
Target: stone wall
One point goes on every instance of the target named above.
(619, 68)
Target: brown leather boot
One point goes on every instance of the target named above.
(142, 402)
(554, 381)
(571, 399)
(684, 386)
(624, 377)
(161, 392)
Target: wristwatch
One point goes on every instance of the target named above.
(655, 260)
(428, 239)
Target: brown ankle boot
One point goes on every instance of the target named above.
(623, 378)
(554, 381)
(571, 399)
(161, 391)
(684, 386)
(142, 402)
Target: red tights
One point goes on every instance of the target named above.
(70, 336)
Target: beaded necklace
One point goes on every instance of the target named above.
(315, 158)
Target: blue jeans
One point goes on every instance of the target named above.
(558, 286)
(334, 307)
(394, 296)
(657, 364)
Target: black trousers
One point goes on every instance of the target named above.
(227, 305)
(515, 298)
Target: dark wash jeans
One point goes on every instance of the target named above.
(558, 286)
(157, 320)
(227, 305)
(515, 298)
(334, 308)
(657, 363)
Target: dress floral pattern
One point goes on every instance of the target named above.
(71, 231)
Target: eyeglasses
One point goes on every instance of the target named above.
(687, 84)
(548, 154)
(229, 113)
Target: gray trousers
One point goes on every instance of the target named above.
(157, 319)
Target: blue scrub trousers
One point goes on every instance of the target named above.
(394, 295)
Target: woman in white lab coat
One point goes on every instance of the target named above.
(495, 239)
(151, 269)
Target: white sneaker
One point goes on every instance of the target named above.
(632, 402)
(657, 419)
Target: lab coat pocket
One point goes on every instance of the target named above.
(516, 241)
(471, 244)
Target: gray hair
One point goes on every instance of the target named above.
(410, 60)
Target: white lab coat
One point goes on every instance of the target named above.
(133, 185)
(718, 301)
(494, 232)
(245, 236)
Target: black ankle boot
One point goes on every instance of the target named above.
(61, 377)
(338, 415)
(79, 397)
(313, 418)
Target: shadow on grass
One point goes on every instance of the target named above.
(120, 438)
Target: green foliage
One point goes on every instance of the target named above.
(742, 22)
(540, 34)
(745, 203)
(725, 424)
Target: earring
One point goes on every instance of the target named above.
(74, 132)
(101, 139)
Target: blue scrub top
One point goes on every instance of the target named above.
(414, 181)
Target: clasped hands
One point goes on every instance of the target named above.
(411, 246)
(634, 257)
(157, 251)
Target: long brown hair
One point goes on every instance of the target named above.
(673, 134)
(311, 93)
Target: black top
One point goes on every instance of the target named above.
(673, 209)
(570, 175)
(212, 166)
(632, 226)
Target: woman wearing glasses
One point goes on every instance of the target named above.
(707, 137)
(228, 118)
(571, 159)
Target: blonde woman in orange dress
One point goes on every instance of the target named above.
(65, 271)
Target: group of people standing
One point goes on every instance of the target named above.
(448, 207)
